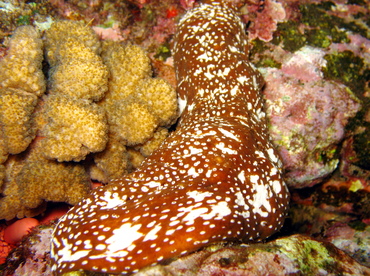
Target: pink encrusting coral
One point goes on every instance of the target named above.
(216, 178)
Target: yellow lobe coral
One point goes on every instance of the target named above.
(136, 103)
(75, 128)
(80, 72)
(110, 163)
(48, 180)
(78, 76)
(31, 180)
(128, 66)
(21, 67)
(62, 31)
(153, 143)
(159, 96)
(16, 126)
(135, 124)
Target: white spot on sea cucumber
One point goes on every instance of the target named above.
(144, 189)
(112, 200)
(66, 255)
(170, 232)
(204, 57)
(254, 178)
(199, 196)
(272, 155)
(222, 147)
(229, 134)
(260, 198)
(233, 49)
(153, 184)
(194, 213)
(276, 185)
(241, 176)
(220, 210)
(152, 234)
(182, 103)
(193, 151)
(234, 91)
(122, 238)
(192, 172)
(243, 79)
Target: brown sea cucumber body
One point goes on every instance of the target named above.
(216, 178)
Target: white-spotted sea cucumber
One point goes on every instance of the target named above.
(216, 178)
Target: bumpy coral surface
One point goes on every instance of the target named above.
(17, 129)
(133, 93)
(67, 122)
(76, 127)
(21, 68)
(80, 72)
(137, 106)
(21, 81)
(63, 31)
(31, 180)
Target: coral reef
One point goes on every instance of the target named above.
(300, 46)
(31, 257)
(318, 50)
(21, 83)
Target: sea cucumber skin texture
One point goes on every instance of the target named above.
(216, 178)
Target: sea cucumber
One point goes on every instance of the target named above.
(216, 178)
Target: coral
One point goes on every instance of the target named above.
(266, 19)
(62, 32)
(134, 94)
(67, 122)
(75, 128)
(31, 180)
(21, 67)
(137, 106)
(136, 123)
(21, 82)
(80, 73)
(153, 143)
(111, 163)
(17, 128)
(31, 257)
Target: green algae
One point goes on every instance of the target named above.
(348, 68)
(317, 38)
(163, 51)
(264, 60)
(313, 255)
(322, 29)
(290, 36)
(316, 15)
